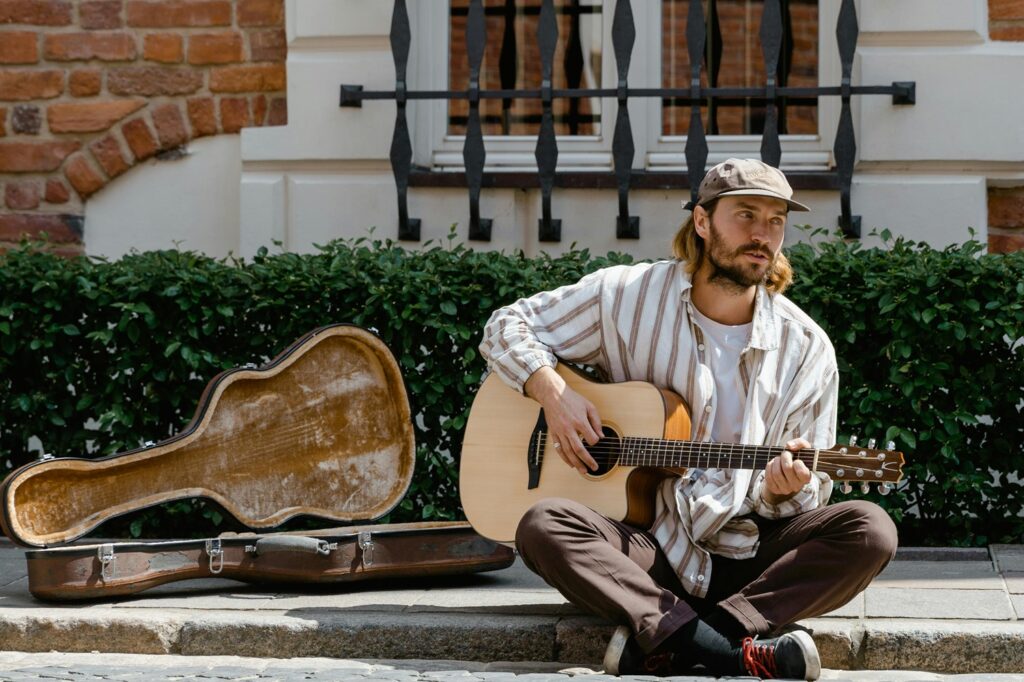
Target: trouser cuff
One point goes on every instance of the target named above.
(652, 636)
(746, 615)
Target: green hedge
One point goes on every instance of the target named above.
(97, 357)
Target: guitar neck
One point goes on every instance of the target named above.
(658, 452)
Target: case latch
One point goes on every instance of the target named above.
(105, 554)
(366, 544)
(216, 554)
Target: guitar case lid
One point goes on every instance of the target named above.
(324, 429)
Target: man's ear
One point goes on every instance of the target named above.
(700, 221)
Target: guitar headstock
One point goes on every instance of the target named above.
(864, 465)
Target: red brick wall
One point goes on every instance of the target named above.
(1005, 219)
(1006, 19)
(90, 88)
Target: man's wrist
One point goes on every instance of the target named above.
(773, 499)
(543, 384)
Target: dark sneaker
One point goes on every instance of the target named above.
(624, 657)
(792, 656)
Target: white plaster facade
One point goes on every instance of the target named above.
(922, 170)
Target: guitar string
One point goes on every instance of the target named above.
(710, 449)
(654, 454)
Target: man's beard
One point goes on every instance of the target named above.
(727, 270)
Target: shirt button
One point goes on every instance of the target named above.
(700, 347)
(700, 578)
(707, 408)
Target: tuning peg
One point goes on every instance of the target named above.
(865, 487)
(884, 488)
(890, 445)
(846, 488)
(853, 441)
(871, 444)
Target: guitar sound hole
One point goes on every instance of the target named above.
(606, 452)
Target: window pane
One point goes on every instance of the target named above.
(512, 27)
(741, 64)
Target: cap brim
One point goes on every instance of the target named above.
(793, 205)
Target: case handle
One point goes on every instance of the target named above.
(291, 543)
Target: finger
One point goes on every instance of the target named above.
(791, 481)
(562, 451)
(581, 453)
(803, 474)
(586, 431)
(771, 476)
(595, 423)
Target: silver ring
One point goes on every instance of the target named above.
(556, 445)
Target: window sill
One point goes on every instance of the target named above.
(641, 179)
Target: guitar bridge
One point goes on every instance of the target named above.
(536, 449)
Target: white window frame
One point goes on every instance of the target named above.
(434, 148)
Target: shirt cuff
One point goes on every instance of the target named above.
(519, 372)
(804, 500)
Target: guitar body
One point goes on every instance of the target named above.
(494, 475)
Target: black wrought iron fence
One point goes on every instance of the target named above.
(775, 94)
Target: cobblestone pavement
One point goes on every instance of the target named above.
(116, 667)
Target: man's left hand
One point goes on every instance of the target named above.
(784, 477)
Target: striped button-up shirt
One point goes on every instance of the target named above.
(636, 323)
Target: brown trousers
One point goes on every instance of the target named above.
(805, 566)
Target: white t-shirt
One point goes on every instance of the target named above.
(724, 344)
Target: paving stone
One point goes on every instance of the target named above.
(530, 602)
(1018, 605)
(524, 667)
(958, 647)
(907, 554)
(838, 641)
(413, 667)
(852, 609)
(85, 629)
(582, 639)
(326, 632)
(230, 672)
(495, 676)
(976, 575)
(1008, 558)
(884, 602)
(1014, 582)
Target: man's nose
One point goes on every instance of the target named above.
(759, 231)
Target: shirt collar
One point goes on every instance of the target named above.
(764, 335)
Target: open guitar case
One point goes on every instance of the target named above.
(324, 430)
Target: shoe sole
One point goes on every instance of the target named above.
(613, 654)
(811, 657)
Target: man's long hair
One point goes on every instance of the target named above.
(688, 246)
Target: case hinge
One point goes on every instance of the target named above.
(366, 544)
(216, 554)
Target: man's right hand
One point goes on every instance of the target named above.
(571, 418)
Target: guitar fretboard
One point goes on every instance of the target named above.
(657, 452)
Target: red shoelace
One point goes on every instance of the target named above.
(759, 659)
(657, 663)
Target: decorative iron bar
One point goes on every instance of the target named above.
(776, 95)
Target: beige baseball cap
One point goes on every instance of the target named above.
(745, 176)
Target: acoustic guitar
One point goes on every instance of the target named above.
(508, 463)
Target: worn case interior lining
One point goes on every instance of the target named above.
(324, 430)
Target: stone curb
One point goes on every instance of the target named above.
(937, 646)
